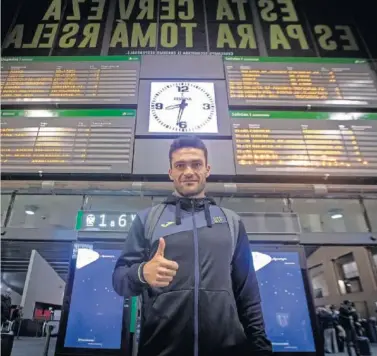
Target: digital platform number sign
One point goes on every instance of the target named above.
(116, 221)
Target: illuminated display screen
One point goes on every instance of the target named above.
(67, 141)
(300, 82)
(96, 311)
(88, 220)
(284, 302)
(270, 143)
(84, 80)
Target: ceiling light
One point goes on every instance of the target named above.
(336, 213)
(30, 209)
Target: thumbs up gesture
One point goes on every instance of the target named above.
(159, 272)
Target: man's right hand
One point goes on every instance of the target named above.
(159, 272)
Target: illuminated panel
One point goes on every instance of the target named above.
(67, 141)
(300, 82)
(301, 143)
(83, 80)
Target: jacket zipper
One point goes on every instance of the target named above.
(196, 284)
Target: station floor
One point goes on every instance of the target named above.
(35, 346)
(32, 346)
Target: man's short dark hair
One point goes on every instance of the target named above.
(187, 142)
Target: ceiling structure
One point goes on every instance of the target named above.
(59, 211)
(15, 256)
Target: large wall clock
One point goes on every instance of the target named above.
(187, 107)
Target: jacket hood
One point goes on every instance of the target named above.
(188, 204)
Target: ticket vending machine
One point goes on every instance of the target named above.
(95, 320)
(287, 303)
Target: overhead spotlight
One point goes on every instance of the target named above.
(336, 214)
(30, 210)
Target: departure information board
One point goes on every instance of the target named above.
(67, 141)
(300, 82)
(301, 143)
(70, 80)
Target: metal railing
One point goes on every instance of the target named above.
(161, 188)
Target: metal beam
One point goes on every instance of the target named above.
(164, 188)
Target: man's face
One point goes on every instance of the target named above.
(189, 171)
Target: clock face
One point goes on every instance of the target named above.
(182, 107)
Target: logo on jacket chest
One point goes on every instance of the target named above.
(167, 224)
(218, 220)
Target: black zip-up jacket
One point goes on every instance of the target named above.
(347, 316)
(212, 306)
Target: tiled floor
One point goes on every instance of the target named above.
(26, 346)
(373, 351)
(35, 346)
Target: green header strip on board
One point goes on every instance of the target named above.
(245, 114)
(71, 59)
(79, 216)
(295, 60)
(69, 113)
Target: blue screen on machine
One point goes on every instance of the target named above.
(284, 302)
(96, 311)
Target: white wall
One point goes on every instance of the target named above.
(42, 284)
(16, 298)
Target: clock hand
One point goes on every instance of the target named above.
(183, 104)
(182, 107)
(180, 112)
(170, 107)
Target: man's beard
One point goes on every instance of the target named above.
(190, 194)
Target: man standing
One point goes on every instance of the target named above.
(328, 325)
(199, 289)
(346, 321)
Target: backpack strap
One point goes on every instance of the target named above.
(152, 219)
(233, 220)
